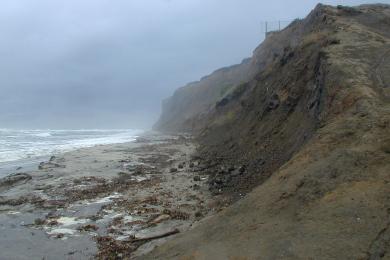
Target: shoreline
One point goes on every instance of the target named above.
(30, 164)
(117, 200)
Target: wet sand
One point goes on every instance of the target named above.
(111, 201)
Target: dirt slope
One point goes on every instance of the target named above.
(312, 132)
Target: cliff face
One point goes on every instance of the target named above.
(297, 81)
(180, 112)
(310, 131)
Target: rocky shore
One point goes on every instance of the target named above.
(105, 202)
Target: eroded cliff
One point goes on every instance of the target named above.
(309, 131)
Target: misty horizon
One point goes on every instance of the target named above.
(218, 129)
(109, 65)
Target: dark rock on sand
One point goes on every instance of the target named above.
(49, 165)
(13, 179)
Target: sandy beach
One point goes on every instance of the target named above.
(107, 201)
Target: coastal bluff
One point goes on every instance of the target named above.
(298, 138)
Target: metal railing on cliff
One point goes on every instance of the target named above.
(268, 27)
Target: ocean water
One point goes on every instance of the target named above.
(29, 145)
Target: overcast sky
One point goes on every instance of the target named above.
(109, 63)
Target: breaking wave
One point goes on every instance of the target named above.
(24, 144)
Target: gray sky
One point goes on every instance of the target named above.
(108, 63)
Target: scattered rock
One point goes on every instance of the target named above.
(49, 165)
(175, 214)
(52, 223)
(39, 222)
(197, 178)
(41, 165)
(77, 181)
(173, 170)
(88, 228)
(54, 204)
(14, 179)
(218, 180)
(198, 214)
(273, 103)
(60, 235)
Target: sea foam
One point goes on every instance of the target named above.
(29, 144)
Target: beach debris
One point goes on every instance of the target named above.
(32, 199)
(54, 204)
(176, 214)
(88, 228)
(160, 219)
(124, 211)
(158, 236)
(152, 200)
(15, 178)
(110, 248)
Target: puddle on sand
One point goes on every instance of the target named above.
(140, 178)
(87, 208)
(13, 213)
(70, 221)
(130, 219)
(106, 199)
(63, 227)
(64, 231)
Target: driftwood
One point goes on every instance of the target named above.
(170, 233)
